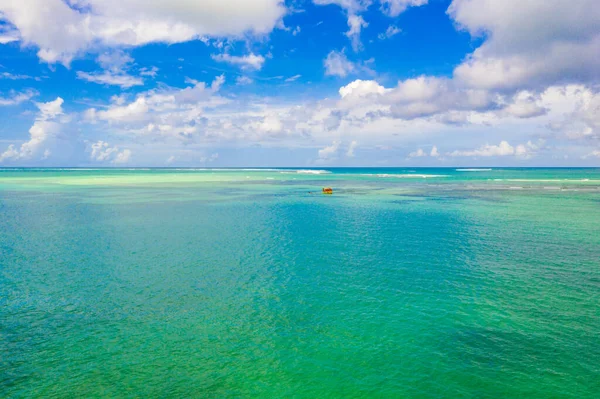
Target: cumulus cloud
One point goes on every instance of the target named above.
(487, 150)
(361, 89)
(574, 111)
(418, 97)
(101, 151)
(526, 60)
(329, 151)
(525, 105)
(364, 111)
(85, 24)
(501, 150)
(45, 128)
(332, 152)
(448, 102)
(123, 157)
(250, 61)
(420, 153)
(544, 43)
(535, 72)
(174, 113)
(417, 154)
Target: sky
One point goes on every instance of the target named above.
(311, 83)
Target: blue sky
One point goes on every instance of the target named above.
(299, 83)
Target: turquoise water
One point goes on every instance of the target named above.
(424, 283)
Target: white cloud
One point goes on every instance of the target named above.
(525, 105)
(108, 78)
(356, 22)
(152, 72)
(420, 153)
(337, 64)
(329, 151)
(18, 97)
(8, 35)
(355, 25)
(250, 61)
(243, 80)
(392, 30)
(501, 150)
(593, 154)
(351, 148)
(101, 151)
(115, 65)
(62, 30)
(428, 96)
(51, 109)
(174, 113)
(210, 158)
(361, 88)
(574, 111)
(487, 150)
(365, 112)
(293, 78)
(123, 157)
(45, 128)
(351, 6)
(10, 76)
(115, 61)
(393, 8)
(417, 154)
(544, 43)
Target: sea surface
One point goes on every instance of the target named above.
(249, 283)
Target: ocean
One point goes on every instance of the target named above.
(249, 283)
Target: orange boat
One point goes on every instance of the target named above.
(327, 190)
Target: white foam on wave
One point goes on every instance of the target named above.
(227, 169)
(474, 170)
(280, 170)
(305, 172)
(10, 169)
(547, 180)
(402, 176)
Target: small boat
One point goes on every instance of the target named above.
(327, 190)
